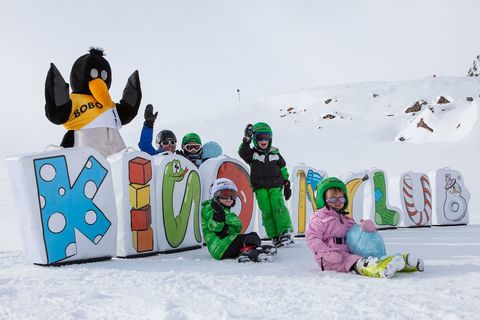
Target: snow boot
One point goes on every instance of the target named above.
(380, 268)
(255, 255)
(412, 263)
(284, 240)
(270, 250)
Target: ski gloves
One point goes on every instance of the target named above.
(150, 117)
(287, 192)
(368, 225)
(219, 216)
(248, 133)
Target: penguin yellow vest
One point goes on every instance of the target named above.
(85, 108)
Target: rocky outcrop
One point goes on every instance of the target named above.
(422, 124)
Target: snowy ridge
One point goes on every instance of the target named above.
(369, 119)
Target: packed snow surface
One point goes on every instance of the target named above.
(192, 285)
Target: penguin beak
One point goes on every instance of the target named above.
(99, 90)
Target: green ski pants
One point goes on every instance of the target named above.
(275, 215)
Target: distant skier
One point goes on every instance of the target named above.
(165, 140)
(325, 236)
(221, 228)
(268, 176)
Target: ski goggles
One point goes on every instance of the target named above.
(227, 194)
(342, 200)
(262, 136)
(193, 147)
(167, 142)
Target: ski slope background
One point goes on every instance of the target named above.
(369, 120)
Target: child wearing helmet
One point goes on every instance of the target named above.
(268, 176)
(192, 148)
(165, 140)
(222, 228)
(326, 231)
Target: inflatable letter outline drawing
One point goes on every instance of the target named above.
(66, 208)
(354, 184)
(176, 225)
(303, 203)
(455, 205)
(139, 176)
(419, 216)
(384, 216)
(451, 197)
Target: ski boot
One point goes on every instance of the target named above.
(284, 240)
(412, 263)
(275, 242)
(270, 250)
(255, 255)
(380, 268)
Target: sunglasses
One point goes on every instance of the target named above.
(227, 194)
(262, 136)
(192, 147)
(167, 142)
(342, 200)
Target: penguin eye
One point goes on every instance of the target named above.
(104, 75)
(94, 73)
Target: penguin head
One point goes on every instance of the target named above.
(89, 67)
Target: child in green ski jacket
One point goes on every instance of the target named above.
(268, 176)
(222, 228)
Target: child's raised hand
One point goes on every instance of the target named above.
(368, 225)
(248, 132)
(150, 117)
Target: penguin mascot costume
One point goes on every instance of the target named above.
(88, 113)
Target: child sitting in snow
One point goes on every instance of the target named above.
(268, 176)
(221, 228)
(325, 236)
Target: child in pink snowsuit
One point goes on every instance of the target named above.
(325, 236)
(326, 231)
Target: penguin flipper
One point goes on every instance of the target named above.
(132, 96)
(58, 104)
(68, 139)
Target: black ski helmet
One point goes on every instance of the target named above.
(165, 135)
(88, 67)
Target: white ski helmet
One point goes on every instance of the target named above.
(222, 184)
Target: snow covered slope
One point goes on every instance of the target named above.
(368, 125)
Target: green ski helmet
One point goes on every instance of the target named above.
(329, 183)
(191, 137)
(261, 127)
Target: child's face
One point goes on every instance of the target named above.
(192, 147)
(335, 199)
(226, 202)
(169, 145)
(263, 144)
